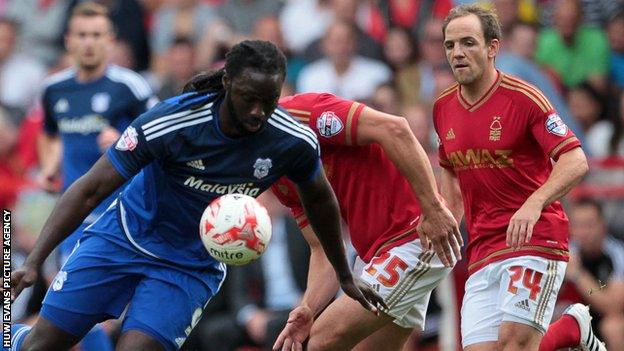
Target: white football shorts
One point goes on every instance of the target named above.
(519, 289)
(404, 277)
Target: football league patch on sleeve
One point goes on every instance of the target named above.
(329, 124)
(555, 125)
(128, 140)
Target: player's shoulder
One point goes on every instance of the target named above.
(446, 95)
(132, 80)
(176, 115)
(283, 123)
(525, 93)
(59, 79)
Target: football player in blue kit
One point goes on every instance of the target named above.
(144, 252)
(85, 108)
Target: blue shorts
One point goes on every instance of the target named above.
(106, 273)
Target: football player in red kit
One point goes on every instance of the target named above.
(498, 138)
(385, 187)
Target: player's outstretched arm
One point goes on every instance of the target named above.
(321, 208)
(404, 150)
(321, 287)
(567, 172)
(71, 209)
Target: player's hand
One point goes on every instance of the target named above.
(362, 293)
(438, 230)
(296, 331)
(520, 228)
(107, 137)
(22, 278)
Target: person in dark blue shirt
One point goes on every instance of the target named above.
(86, 107)
(145, 250)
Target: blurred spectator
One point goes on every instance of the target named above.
(180, 67)
(128, 19)
(241, 15)
(386, 99)
(264, 291)
(11, 170)
(433, 58)
(121, 55)
(516, 58)
(615, 33)
(178, 19)
(401, 53)
(508, 12)
(342, 71)
(596, 12)
(587, 106)
(299, 31)
(574, 51)
(268, 28)
(596, 272)
(41, 25)
(418, 121)
(349, 11)
(19, 73)
(409, 14)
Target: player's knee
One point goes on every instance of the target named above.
(510, 341)
(611, 326)
(320, 341)
(137, 341)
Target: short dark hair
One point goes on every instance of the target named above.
(591, 202)
(90, 9)
(260, 55)
(489, 20)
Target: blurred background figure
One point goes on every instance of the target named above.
(18, 71)
(574, 51)
(180, 67)
(595, 273)
(342, 71)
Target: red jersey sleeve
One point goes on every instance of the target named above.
(442, 159)
(333, 119)
(286, 193)
(552, 134)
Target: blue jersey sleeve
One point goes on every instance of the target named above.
(134, 150)
(307, 165)
(49, 122)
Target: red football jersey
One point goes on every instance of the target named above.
(500, 148)
(376, 201)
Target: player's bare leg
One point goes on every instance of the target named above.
(482, 346)
(514, 336)
(134, 340)
(612, 330)
(46, 336)
(389, 337)
(343, 325)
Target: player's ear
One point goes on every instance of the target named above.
(225, 80)
(494, 48)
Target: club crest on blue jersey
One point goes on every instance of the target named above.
(61, 106)
(261, 167)
(128, 140)
(100, 102)
(328, 124)
(555, 125)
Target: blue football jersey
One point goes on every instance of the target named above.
(180, 161)
(77, 112)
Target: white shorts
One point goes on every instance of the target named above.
(404, 277)
(519, 289)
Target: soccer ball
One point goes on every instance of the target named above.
(235, 229)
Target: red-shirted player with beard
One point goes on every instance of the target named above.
(385, 187)
(498, 136)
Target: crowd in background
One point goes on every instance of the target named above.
(386, 53)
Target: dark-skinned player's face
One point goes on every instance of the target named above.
(252, 97)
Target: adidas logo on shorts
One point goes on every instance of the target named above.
(524, 304)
